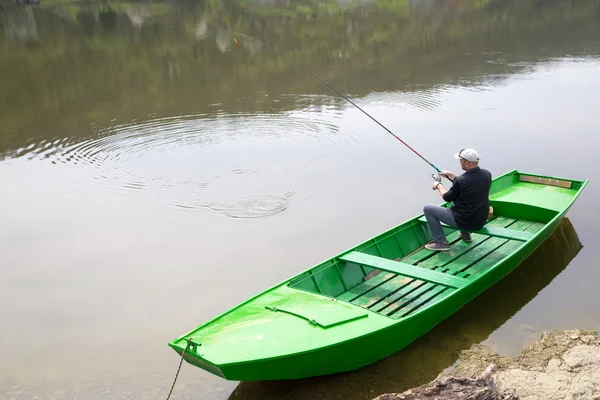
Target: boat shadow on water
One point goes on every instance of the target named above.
(437, 350)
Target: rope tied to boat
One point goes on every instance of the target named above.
(189, 344)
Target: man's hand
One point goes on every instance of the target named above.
(448, 174)
(439, 187)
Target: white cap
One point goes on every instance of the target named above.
(468, 154)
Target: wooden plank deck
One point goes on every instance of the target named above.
(376, 289)
(479, 255)
(398, 296)
(390, 292)
(496, 231)
(450, 262)
(408, 270)
(507, 248)
(504, 248)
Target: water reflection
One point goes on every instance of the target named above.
(155, 95)
(422, 361)
(87, 63)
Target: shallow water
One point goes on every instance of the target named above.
(154, 174)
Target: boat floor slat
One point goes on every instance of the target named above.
(431, 295)
(450, 263)
(399, 296)
(376, 295)
(424, 254)
(507, 248)
(377, 289)
(407, 307)
(403, 297)
(363, 288)
(502, 249)
(389, 287)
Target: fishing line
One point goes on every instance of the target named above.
(335, 90)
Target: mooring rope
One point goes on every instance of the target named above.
(189, 343)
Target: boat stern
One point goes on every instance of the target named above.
(538, 197)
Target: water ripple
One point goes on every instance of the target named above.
(241, 165)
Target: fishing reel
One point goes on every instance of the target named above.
(438, 179)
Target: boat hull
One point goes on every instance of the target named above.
(364, 349)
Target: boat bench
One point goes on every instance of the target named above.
(408, 270)
(495, 231)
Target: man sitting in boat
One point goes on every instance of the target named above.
(470, 196)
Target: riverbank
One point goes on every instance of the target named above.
(562, 364)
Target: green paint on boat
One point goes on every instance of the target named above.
(339, 315)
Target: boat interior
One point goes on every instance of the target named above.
(394, 275)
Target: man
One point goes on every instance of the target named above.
(469, 194)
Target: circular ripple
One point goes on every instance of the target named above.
(242, 165)
(254, 207)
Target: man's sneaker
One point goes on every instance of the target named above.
(465, 236)
(437, 246)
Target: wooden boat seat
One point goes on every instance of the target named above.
(409, 270)
(495, 231)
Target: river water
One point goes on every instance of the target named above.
(153, 174)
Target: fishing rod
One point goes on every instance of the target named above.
(346, 98)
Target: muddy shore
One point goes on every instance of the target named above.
(562, 364)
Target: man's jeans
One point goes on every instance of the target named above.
(434, 215)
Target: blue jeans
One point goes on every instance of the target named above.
(435, 214)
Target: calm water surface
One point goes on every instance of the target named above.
(154, 175)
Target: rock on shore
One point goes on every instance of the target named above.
(561, 365)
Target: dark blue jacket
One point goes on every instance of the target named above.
(470, 196)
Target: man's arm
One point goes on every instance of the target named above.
(448, 174)
(441, 189)
(449, 195)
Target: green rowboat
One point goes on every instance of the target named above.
(376, 298)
